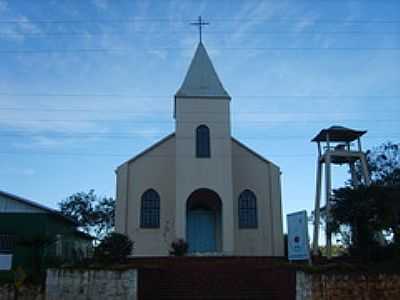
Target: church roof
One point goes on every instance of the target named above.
(201, 79)
(172, 135)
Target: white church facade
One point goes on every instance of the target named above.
(199, 183)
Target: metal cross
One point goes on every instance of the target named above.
(200, 23)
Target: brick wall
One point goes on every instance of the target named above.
(347, 286)
(188, 278)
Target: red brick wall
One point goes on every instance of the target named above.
(348, 286)
(251, 278)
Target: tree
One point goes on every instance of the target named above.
(93, 214)
(384, 164)
(104, 216)
(363, 215)
(354, 216)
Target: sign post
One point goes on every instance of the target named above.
(298, 241)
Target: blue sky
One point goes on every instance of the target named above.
(85, 85)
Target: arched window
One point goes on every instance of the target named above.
(202, 141)
(247, 210)
(150, 210)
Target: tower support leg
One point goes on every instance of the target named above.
(328, 188)
(354, 178)
(317, 215)
(364, 167)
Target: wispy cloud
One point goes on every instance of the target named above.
(18, 171)
(44, 143)
(16, 31)
(3, 6)
(254, 14)
(161, 54)
(305, 23)
(149, 133)
(28, 172)
(101, 4)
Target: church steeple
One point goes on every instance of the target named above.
(202, 80)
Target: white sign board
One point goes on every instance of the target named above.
(5, 262)
(298, 244)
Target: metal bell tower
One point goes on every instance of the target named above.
(336, 147)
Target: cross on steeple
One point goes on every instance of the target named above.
(200, 23)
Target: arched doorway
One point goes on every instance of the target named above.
(203, 221)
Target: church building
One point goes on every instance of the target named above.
(199, 183)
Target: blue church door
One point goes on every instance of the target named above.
(201, 230)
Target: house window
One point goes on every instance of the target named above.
(202, 141)
(7, 243)
(247, 210)
(150, 210)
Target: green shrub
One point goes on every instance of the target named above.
(114, 248)
(179, 247)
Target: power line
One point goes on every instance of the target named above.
(121, 95)
(139, 20)
(296, 20)
(191, 122)
(111, 50)
(97, 154)
(131, 136)
(185, 21)
(152, 112)
(94, 154)
(87, 34)
(197, 112)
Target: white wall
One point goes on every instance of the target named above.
(262, 178)
(172, 169)
(155, 169)
(91, 284)
(214, 173)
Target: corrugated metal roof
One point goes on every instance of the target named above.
(35, 205)
(338, 134)
(202, 80)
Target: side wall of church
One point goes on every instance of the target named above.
(155, 169)
(262, 178)
(120, 203)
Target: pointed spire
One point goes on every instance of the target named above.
(201, 79)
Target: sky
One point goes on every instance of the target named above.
(86, 85)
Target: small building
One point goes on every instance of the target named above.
(32, 234)
(199, 183)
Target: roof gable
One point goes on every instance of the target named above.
(202, 80)
(155, 145)
(10, 203)
(252, 152)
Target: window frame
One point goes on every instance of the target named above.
(150, 210)
(203, 150)
(7, 243)
(247, 210)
